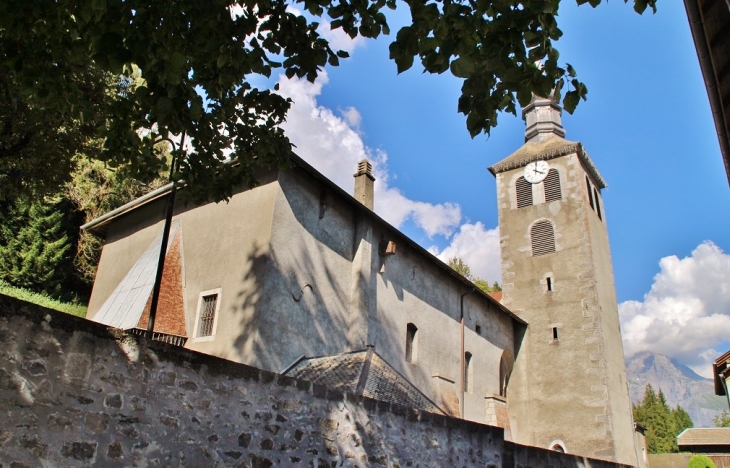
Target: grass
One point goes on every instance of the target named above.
(42, 300)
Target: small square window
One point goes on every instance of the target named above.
(478, 329)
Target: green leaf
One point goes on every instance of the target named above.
(571, 101)
(462, 67)
(640, 6)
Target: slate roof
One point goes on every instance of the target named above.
(363, 373)
(544, 150)
(701, 436)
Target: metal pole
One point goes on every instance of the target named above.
(163, 246)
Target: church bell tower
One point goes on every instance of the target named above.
(568, 390)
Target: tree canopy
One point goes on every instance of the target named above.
(662, 423)
(462, 268)
(198, 60)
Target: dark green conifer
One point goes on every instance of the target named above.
(33, 245)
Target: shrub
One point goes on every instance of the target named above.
(700, 461)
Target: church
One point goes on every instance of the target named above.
(298, 277)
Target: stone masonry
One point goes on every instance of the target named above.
(77, 393)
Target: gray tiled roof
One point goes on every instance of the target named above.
(704, 436)
(364, 373)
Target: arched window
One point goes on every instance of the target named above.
(468, 373)
(598, 204)
(590, 193)
(505, 370)
(524, 192)
(557, 448)
(411, 343)
(552, 186)
(543, 238)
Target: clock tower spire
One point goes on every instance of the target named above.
(568, 390)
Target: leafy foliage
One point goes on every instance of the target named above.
(461, 267)
(95, 190)
(701, 461)
(723, 420)
(662, 423)
(198, 61)
(37, 143)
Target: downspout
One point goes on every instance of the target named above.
(163, 246)
(463, 370)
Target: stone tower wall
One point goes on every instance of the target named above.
(569, 391)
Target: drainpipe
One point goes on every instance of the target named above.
(165, 237)
(462, 350)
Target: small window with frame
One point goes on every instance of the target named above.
(206, 319)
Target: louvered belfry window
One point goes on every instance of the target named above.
(552, 186)
(524, 193)
(543, 238)
(207, 315)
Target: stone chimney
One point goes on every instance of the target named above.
(364, 181)
(542, 117)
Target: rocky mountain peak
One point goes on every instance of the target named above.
(680, 385)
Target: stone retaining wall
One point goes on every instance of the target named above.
(76, 393)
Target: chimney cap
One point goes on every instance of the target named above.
(365, 168)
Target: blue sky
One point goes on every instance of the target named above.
(646, 124)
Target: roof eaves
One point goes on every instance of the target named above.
(705, 52)
(98, 225)
(553, 153)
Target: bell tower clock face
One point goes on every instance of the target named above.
(536, 171)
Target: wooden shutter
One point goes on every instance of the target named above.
(524, 193)
(543, 238)
(552, 186)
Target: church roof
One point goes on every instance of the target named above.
(363, 373)
(551, 148)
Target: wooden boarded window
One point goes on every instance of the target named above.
(208, 308)
(543, 238)
(411, 343)
(552, 186)
(524, 193)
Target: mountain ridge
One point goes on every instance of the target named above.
(680, 385)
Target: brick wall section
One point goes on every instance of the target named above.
(76, 393)
(170, 317)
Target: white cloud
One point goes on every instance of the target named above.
(334, 146)
(686, 314)
(479, 248)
